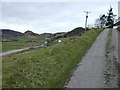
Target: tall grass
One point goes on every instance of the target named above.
(48, 67)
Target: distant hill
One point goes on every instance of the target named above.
(56, 35)
(74, 32)
(46, 35)
(77, 31)
(9, 33)
(12, 33)
(30, 33)
(53, 37)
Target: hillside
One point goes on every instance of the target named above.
(74, 32)
(30, 33)
(9, 33)
(12, 33)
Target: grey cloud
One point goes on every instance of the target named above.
(51, 17)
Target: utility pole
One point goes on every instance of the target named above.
(86, 19)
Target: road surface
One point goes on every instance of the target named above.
(17, 51)
(93, 71)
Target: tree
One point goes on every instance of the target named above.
(110, 19)
(97, 23)
(106, 21)
(101, 21)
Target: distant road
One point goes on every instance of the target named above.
(17, 51)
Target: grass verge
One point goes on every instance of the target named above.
(47, 67)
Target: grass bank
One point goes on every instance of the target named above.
(47, 67)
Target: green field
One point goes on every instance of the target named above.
(19, 42)
(48, 67)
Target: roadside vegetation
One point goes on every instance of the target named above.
(46, 67)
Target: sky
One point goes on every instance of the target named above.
(51, 16)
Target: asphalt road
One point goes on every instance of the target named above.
(17, 51)
(90, 72)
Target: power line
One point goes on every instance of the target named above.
(86, 19)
